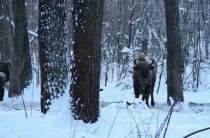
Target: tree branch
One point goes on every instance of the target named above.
(193, 133)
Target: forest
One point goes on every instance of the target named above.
(104, 68)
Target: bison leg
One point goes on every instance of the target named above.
(1, 92)
(152, 97)
(146, 96)
(152, 100)
(143, 97)
(136, 90)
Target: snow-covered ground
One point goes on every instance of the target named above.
(117, 120)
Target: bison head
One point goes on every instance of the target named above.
(5, 68)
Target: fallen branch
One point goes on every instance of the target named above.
(193, 133)
(104, 104)
(198, 104)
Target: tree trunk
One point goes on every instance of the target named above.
(53, 51)
(144, 46)
(5, 32)
(174, 63)
(21, 72)
(85, 85)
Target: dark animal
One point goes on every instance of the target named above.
(144, 77)
(4, 76)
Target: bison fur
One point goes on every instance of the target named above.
(144, 77)
(4, 76)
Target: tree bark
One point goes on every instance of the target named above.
(85, 85)
(5, 32)
(174, 53)
(53, 51)
(21, 71)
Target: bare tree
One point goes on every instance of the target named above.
(195, 25)
(137, 25)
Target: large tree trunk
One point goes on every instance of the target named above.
(21, 73)
(53, 51)
(85, 85)
(174, 53)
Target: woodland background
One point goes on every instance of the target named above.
(127, 28)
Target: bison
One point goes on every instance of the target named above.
(4, 76)
(144, 77)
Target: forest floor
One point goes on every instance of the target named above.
(201, 108)
(116, 120)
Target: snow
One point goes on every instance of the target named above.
(117, 120)
(33, 33)
(125, 50)
(2, 17)
(2, 75)
(136, 21)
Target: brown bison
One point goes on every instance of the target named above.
(4, 76)
(144, 77)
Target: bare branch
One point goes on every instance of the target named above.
(193, 133)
